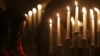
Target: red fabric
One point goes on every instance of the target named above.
(20, 48)
(13, 53)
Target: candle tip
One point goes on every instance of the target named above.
(39, 6)
(84, 10)
(34, 10)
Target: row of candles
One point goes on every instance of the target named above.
(32, 14)
(76, 24)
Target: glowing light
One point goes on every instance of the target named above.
(39, 6)
(34, 10)
(84, 10)
(96, 9)
(30, 12)
(76, 3)
(68, 8)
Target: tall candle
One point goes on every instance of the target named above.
(76, 17)
(58, 30)
(73, 23)
(68, 23)
(84, 22)
(39, 6)
(92, 27)
(34, 16)
(98, 19)
(30, 19)
(51, 39)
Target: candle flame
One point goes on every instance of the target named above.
(30, 12)
(84, 10)
(39, 6)
(92, 14)
(34, 10)
(96, 9)
(58, 15)
(72, 20)
(26, 15)
(50, 21)
(76, 3)
(68, 8)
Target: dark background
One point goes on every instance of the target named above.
(26, 5)
(23, 5)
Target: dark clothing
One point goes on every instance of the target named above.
(11, 33)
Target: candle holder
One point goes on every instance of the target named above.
(76, 45)
(97, 39)
(67, 45)
(85, 48)
(60, 50)
(50, 53)
(92, 48)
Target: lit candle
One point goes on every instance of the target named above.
(76, 17)
(73, 23)
(30, 19)
(80, 24)
(26, 16)
(92, 27)
(68, 23)
(39, 6)
(84, 22)
(51, 39)
(34, 16)
(58, 30)
(98, 19)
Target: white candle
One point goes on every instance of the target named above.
(51, 39)
(34, 16)
(76, 17)
(98, 18)
(92, 27)
(30, 19)
(39, 6)
(58, 30)
(84, 22)
(73, 24)
(68, 23)
(26, 16)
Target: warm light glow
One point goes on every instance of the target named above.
(79, 23)
(68, 8)
(34, 10)
(72, 20)
(76, 3)
(73, 24)
(50, 20)
(58, 15)
(84, 10)
(96, 9)
(39, 6)
(30, 12)
(92, 14)
(26, 15)
(99, 22)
